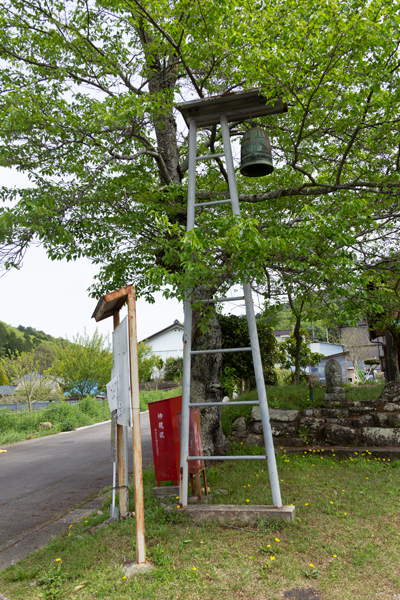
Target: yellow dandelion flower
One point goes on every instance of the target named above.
(176, 497)
(277, 540)
(247, 500)
(331, 502)
(306, 504)
(311, 565)
(58, 559)
(366, 478)
(272, 558)
(335, 556)
(268, 545)
(124, 577)
(194, 569)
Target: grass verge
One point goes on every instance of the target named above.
(344, 542)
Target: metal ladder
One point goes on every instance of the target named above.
(255, 348)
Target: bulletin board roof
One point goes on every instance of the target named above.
(237, 106)
(112, 303)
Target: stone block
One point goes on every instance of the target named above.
(233, 513)
(339, 435)
(343, 422)
(380, 436)
(335, 413)
(363, 421)
(254, 440)
(255, 427)
(386, 419)
(275, 414)
(358, 408)
(239, 425)
(166, 490)
(283, 415)
(312, 425)
(390, 407)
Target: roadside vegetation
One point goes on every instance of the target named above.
(16, 426)
(345, 534)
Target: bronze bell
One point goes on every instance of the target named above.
(256, 157)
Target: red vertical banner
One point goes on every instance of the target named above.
(165, 438)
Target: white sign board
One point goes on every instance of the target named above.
(121, 373)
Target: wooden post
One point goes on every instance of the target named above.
(136, 433)
(123, 509)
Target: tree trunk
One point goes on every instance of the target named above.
(206, 378)
(299, 341)
(392, 354)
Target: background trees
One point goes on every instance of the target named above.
(83, 367)
(34, 385)
(238, 367)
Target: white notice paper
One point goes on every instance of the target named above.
(112, 394)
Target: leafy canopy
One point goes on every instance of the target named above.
(88, 110)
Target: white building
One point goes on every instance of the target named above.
(168, 341)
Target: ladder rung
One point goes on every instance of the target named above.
(209, 156)
(253, 457)
(212, 203)
(220, 350)
(214, 300)
(196, 404)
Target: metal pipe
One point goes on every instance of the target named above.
(262, 398)
(209, 156)
(220, 350)
(252, 457)
(123, 509)
(197, 404)
(226, 137)
(114, 486)
(187, 332)
(215, 300)
(192, 175)
(258, 370)
(214, 202)
(136, 433)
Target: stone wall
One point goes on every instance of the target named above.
(367, 423)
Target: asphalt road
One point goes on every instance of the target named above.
(45, 477)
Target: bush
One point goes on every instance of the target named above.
(173, 368)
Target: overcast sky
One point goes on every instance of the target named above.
(52, 296)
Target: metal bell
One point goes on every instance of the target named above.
(256, 157)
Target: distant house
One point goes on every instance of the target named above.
(336, 351)
(168, 341)
(282, 334)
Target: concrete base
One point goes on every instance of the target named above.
(204, 499)
(131, 569)
(166, 490)
(233, 513)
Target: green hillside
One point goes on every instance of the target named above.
(23, 339)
